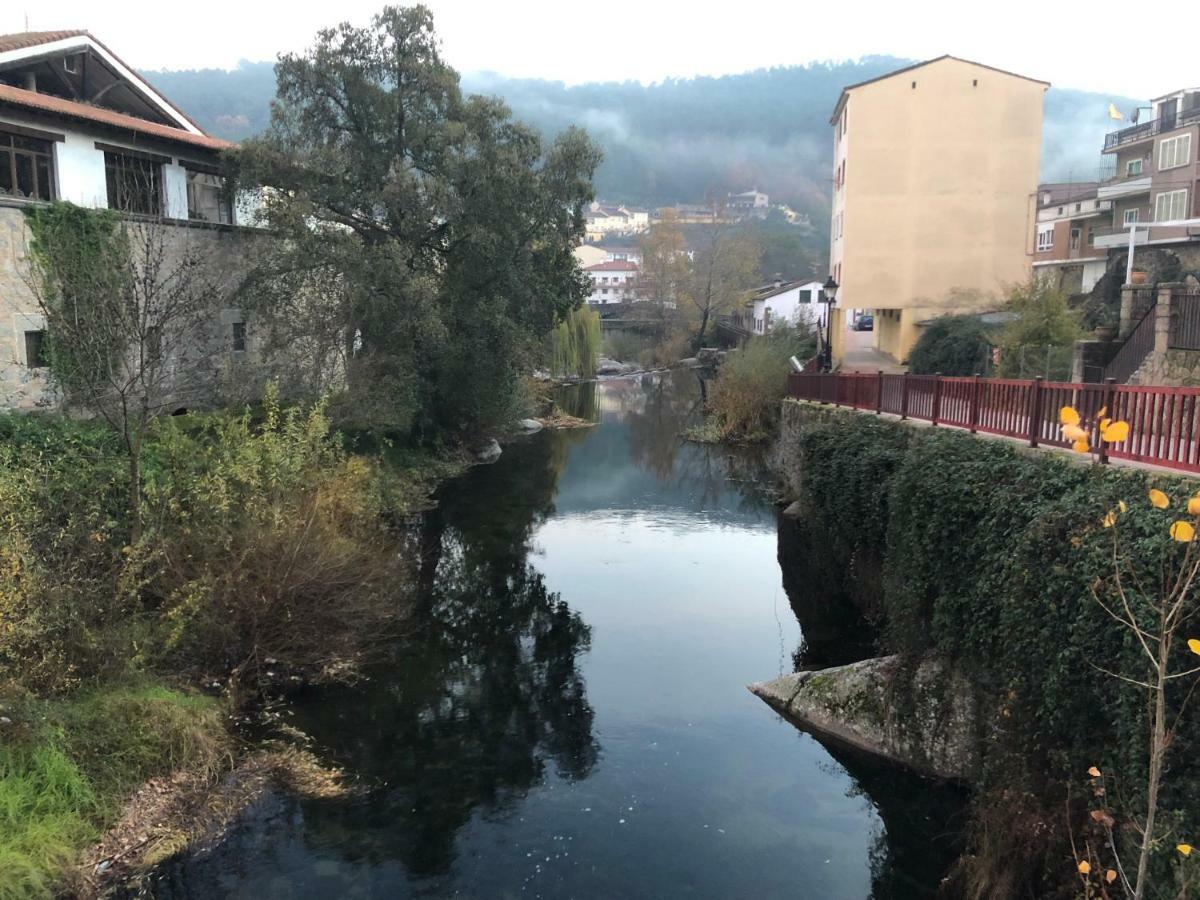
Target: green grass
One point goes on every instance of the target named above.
(70, 765)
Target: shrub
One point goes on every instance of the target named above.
(574, 344)
(744, 403)
(952, 345)
(1043, 320)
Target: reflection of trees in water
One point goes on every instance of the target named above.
(469, 711)
(826, 596)
(923, 822)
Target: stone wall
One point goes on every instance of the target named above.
(209, 371)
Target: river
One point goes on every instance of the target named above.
(570, 716)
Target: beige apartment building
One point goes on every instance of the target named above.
(935, 168)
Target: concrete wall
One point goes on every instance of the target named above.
(936, 199)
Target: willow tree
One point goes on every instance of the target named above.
(434, 230)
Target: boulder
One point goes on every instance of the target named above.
(690, 362)
(530, 426)
(488, 452)
(793, 510)
(924, 720)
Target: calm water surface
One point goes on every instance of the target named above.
(571, 717)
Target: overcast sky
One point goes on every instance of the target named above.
(1071, 45)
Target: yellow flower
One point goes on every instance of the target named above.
(1068, 416)
(1114, 432)
(1084, 867)
(1103, 411)
(1194, 645)
(1110, 876)
(1158, 499)
(1183, 531)
(1074, 433)
(1185, 849)
(1094, 772)
(1080, 446)
(1121, 506)
(1194, 506)
(1110, 518)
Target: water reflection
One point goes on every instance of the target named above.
(568, 716)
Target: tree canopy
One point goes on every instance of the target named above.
(432, 230)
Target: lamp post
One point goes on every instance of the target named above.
(830, 290)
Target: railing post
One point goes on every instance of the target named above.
(879, 394)
(975, 404)
(1110, 395)
(1035, 411)
(937, 397)
(904, 396)
(833, 380)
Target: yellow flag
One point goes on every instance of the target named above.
(1114, 113)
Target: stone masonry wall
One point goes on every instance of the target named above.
(209, 373)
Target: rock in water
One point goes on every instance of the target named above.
(489, 452)
(529, 426)
(923, 719)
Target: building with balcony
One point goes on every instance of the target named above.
(615, 281)
(935, 168)
(1063, 234)
(1155, 174)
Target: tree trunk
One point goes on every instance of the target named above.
(135, 497)
(1158, 729)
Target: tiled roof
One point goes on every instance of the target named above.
(22, 39)
(613, 265)
(75, 110)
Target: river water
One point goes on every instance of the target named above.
(570, 716)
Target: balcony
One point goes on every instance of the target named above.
(1145, 130)
(1124, 187)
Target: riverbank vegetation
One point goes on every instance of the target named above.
(989, 558)
(743, 402)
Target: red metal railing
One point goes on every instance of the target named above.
(1164, 422)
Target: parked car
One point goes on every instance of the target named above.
(865, 322)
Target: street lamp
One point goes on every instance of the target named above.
(830, 290)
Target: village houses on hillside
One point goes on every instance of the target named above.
(78, 124)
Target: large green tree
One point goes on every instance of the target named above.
(429, 231)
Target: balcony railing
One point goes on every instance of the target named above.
(1144, 130)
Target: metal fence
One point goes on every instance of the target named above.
(1164, 422)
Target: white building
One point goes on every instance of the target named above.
(78, 124)
(589, 255)
(613, 282)
(748, 200)
(797, 303)
(601, 219)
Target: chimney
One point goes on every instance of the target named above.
(31, 81)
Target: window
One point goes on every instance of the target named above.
(206, 198)
(134, 183)
(1078, 207)
(1174, 152)
(35, 349)
(1045, 238)
(1060, 210)
(239, 337)
(26, 167)
(1091, 237)
(1133, 167)
(1076, 233)
(1130, 217)
(1170, 205)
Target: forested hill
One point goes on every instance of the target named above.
(686, 139)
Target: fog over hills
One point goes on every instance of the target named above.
(682, 140)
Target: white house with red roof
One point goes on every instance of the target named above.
(78, 124)
(614, 281)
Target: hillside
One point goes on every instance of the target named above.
(681, 140)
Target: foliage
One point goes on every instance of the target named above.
(574, 344)
(125, 307)
(744, 405)
(67, 766)
(952, 345)
(724, 269)
(434, 231)
(1042, 320)
(989, 564)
